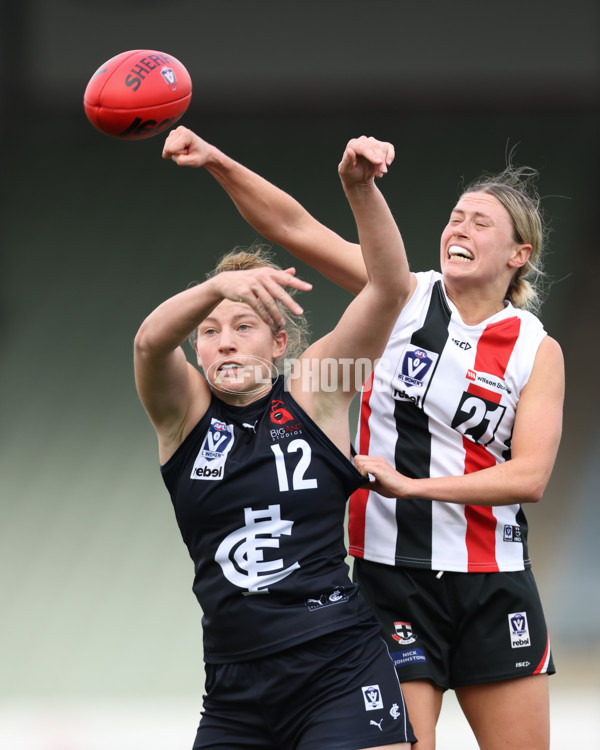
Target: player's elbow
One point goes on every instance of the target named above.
(535, 495)
(391, 295)
(145, 342)
(534, 487)
(140, 342)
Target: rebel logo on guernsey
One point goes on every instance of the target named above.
(210, 461)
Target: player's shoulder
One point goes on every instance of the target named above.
(550, 351)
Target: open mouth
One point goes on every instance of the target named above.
(229, 366)
(456, 252)
(231, 370)
(250, 374)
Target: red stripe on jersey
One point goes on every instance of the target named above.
(480, 536)
(477, 390)
(495, 346)
(494, 349)
(543, 665)
(357, 509)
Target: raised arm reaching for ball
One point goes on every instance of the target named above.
(274, 213)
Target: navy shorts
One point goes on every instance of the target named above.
(458, 629)
(339, 691)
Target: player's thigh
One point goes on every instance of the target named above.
(231, 715)
(353, 700)
(509, 714)
(424, 702)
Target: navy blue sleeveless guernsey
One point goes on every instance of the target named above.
(259, 494)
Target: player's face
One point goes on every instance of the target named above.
(478, 242)
(236, 349)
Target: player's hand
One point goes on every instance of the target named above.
(383, 478)
(364, 159)
(186, 148)
(262, 289)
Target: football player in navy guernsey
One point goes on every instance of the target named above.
(459, 428)
(259, 469)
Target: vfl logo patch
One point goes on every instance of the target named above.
(415, 367)
(512, 534)
(210, 461)
(372, 696)
(404, 633)
(519, 630)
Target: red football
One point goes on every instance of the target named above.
(137, 94)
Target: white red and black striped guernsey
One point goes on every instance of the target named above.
(442, 402)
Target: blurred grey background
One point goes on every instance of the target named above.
(94, 579)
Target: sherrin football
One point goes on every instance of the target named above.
(137, 94)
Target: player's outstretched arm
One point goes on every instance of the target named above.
(360, 336)
(367, 323)
(384, 255)
(274, 213)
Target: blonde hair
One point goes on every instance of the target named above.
(258, 255)
(515, 188)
